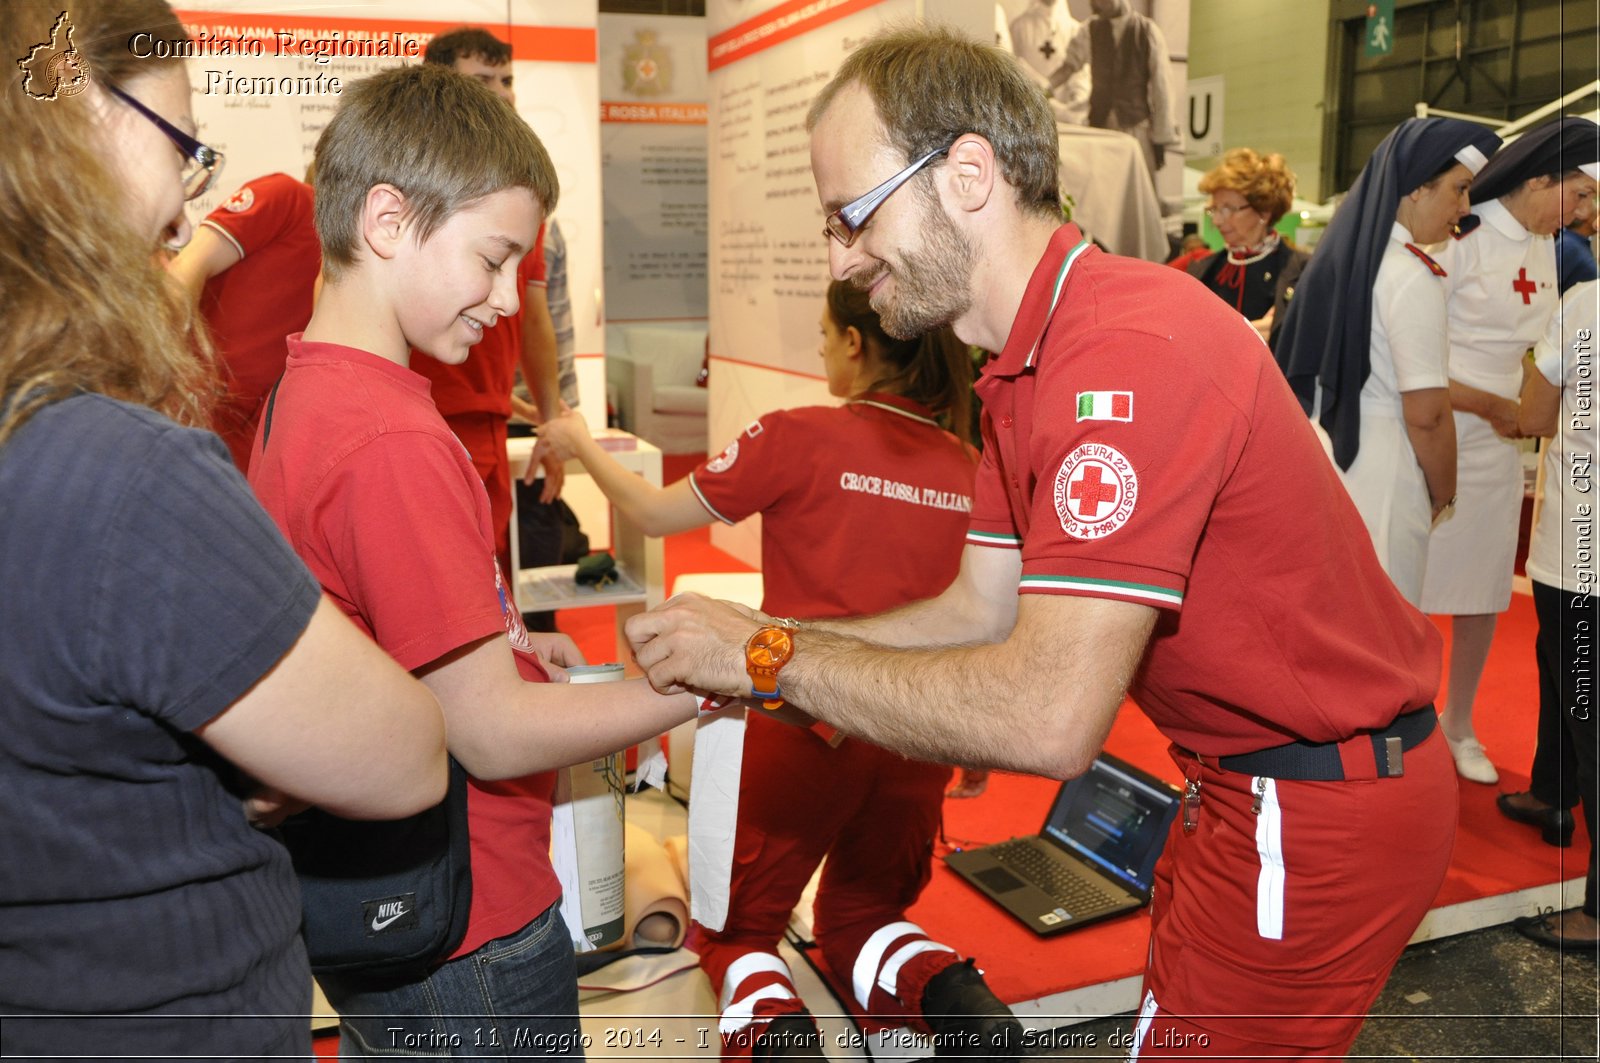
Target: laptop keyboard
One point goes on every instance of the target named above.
(1076, 893)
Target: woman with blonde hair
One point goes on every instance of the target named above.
(167, 667)
(1257, 269)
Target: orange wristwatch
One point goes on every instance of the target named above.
(768, 650)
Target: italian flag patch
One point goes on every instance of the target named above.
(1105, 405)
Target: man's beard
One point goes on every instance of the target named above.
(932, 286)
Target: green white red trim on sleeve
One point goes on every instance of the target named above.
(1146, 593)
(1010, 541)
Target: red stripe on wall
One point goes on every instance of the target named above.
(406, 37)
(769, 368)
(784, 22)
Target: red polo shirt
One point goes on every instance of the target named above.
(818, 475)
(1141, 444)
(251, 306)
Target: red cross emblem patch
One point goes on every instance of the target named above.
(1096, 490)
(241, 200)
(724, 461)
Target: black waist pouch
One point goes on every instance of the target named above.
(385, 900)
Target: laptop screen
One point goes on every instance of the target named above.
(1115, 819)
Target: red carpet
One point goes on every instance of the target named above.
(1492, 855)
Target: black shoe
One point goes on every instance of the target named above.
(967, 1019)
(1555, 824)
(1542, 929)
(791, 1036)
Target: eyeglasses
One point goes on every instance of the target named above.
(204, 163)
(1224, 213)
(846, 223)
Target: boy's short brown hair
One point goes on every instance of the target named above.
(442, 139)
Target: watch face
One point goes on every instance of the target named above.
(770, 646)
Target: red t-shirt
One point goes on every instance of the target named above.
(251, 306)
(1147, 448)
(483, 383)
(862, 506)
(384, 506)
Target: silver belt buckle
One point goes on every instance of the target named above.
(1394, 762)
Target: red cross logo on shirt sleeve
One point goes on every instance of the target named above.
(1090, 491)
(1095, 491)
(1524, 286)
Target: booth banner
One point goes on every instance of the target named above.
(265, 83)
(587, 818)
(769, 260)
(653, 160)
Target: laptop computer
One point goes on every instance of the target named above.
(1094, 858)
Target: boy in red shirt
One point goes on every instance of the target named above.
(430, 192)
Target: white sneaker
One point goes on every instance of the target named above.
(1472, 763)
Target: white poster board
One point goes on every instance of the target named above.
(265, 84)
(769, 261)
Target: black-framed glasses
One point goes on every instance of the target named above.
(204, 163)
(846, 223)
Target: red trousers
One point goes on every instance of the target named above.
(1274, 931)
(874, 815)
(484, 436)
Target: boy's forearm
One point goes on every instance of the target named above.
(500, 726)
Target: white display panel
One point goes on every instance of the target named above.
(247, 48)
(769, 259)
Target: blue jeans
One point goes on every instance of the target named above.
(513, 996)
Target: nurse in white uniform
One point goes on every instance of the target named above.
(1501, 294)
(1364, 340)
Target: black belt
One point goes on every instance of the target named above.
(1368, 755)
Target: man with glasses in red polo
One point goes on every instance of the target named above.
(1154, 516)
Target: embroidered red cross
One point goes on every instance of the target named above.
(1524, 285)
(1090, 492)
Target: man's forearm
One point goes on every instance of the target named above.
(977, 607)
(970, 705)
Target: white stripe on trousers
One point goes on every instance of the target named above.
(1269, 846)
(745, 966)
(889, 977)
(1141, 1030)
(742, 1012)
(870, 958)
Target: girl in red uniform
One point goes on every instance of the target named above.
(864, 508)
